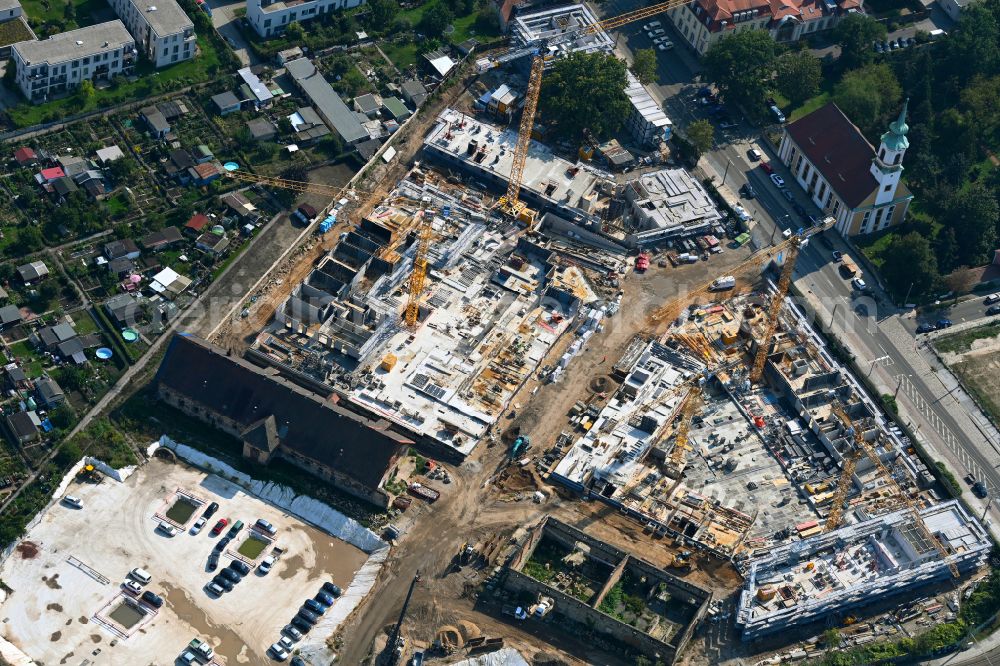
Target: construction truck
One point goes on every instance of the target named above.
(542, 608)
(521, 445)
(723, 283)
(681, 560)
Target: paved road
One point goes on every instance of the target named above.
(224, 20)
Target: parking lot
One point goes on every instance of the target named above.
(68, 603)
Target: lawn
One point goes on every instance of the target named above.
(809, 106)
(30, 360)
(403, 54)
(252, 547)
(962, 341)
(84, 323)
(148, 82)
(88, 12)
(12, 32)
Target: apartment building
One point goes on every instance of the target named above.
(703, 23)
(270, 18)
(162, 31)
(60, 63)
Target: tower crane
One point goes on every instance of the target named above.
(863, 446)
(419, 274)
(540, 52)
(233, 171)
(774, 307)
(675, 466)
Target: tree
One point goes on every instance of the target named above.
(644, 65)
(10, 74)
(295, 32)
(86, 92)
(855, 34)
(909, 260)
(798, 76)
(742, 66)
(69, 12)
(868, 96)
(701, 134)
(946, 250)
(381, 13)
(28, 240)
(435, 20)
(585, 90)
(974, 215)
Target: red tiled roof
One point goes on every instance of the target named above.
(24, 154)
(206, 170)
(197, 222)
(838, 150)
(53, 173)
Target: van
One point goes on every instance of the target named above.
(140, 575)
(937, 34)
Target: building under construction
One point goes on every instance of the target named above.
(808, 580)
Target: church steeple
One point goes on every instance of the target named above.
(887, 167)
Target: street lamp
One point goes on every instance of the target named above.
(874, 361)
(898, 384)
(729, 163)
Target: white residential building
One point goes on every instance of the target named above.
(270, 18)
(162, 31)
(60, 63)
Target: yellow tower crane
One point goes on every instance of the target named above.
(791, 253)
(675, 466)
(283, 183)
(510, 203)
(862, 445)
(419, 274)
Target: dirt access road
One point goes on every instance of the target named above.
(471, 506)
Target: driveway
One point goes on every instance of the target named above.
(224, 19)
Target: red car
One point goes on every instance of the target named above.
(766, 166)
(219, 526)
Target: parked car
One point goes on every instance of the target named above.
(222, 543)
(213, 560)
(235, 529)
(995, 310)
(838, 256)
(198, 525)
(230, 574)
(210, 511)
(132, 586)
(652, 25)
(265, 565)
(314, 606)
(755, 155)
(747, 191)
(292, 632)
(308, 615)
(214, 588)
(265, 526)
(332, 589)
(219, 526)
(152, 598)
(877, 45)
(979, 490)
(223, 582)
(240, 567)
(665, 46)
(944, 323)
(324, 598)
(788, 195)
(297, 661)
(167, 529)
(777, 180)
(655, 33)
(859, 284)
(278, 652)
(73, 501)
(301, 624)
(991, 299)
(766, 166)
(926, 328)
(776, 112)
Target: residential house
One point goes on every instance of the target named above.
(211, 243)
(289, 54)
(49, 175)
(202, 154)
(702, 23)
(52, 67)
(25, 156)
(17, 379)
(396, 109)
(163, 32)
(10, 315)
(367, 104)
(260, 95)
(275, 418)
(239, 204)
(33, 271)
(309, 127)
(226, 103)
(63, 187)
(73, 165)
(197, 223)
(414, 92)
(843, 174)
(438, 63)
(121, 267)
(178, 164)
(203, 174)
(109, 154)
(162, 239)
(121, 248)
(122, 308)
(172, 109)
(157, 123)
(10, 10)
(21, 428)
(169, 283)
(48, 338)
(49, 393)
(262, 129)
(270, 17)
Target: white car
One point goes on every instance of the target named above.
(132, 586)
(755, 155)
(777, 180)
(198, 524)
(265, 565)
(73, 501)
(278, 652)
(859, 284)
(652, 25)
(167, 529)
(652, 34)
(666, 46)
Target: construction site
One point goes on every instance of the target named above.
(616, 476)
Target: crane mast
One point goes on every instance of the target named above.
(510, 203)
(675, 466)
(774, 309)
(419, 274)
